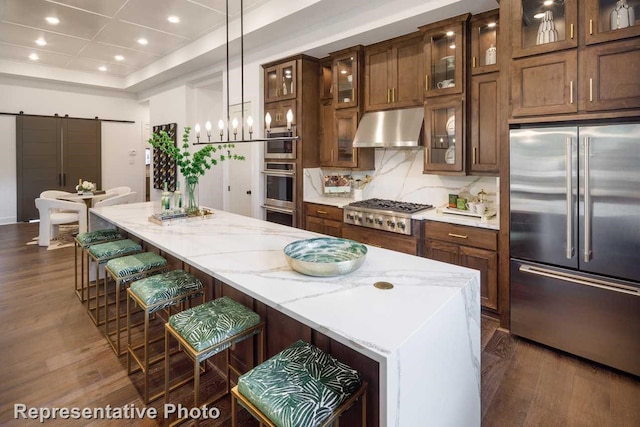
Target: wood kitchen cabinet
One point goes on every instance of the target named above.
(280, 81)
(278, 111)
(327, 137)
(323, 219)
(609, 76)
(485, 124)
(339, 116)
(445, 56)
(444, 130)
(598, 21)
(337, 149)
(471, 247)
(545, 85)
(326, 79)
(394, 73)
(382, 239)
(484, 29)
(539, 28)
(346, 77)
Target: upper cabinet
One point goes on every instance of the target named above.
(543, 26)
(443, 135)
(607, 20)
(484, 42)
(326, 79)
(280, 82)
(393, 74)
(445, 53)
(346, 77)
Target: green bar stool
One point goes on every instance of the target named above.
(124, 270)
(205, 331)
(155, 293)
(83, 241)
(101, 254)
(300, 386)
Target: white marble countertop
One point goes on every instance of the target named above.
(434, 215)
(338, 202)
(247, 254)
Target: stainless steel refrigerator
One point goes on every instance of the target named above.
(575, 240)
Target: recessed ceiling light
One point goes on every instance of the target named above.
(491, 24)
(452, 46)
(119, 58)
(52, 20)
(173, 19)
(539, 15)
(41, 42)
(548, 2)
(343, 71)
(143, 42)
(102, 68)
(450, 33)
(34, 57)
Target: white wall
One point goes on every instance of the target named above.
(37, 97)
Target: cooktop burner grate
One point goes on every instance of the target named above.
(390, 205)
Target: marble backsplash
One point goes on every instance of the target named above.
(398, 176)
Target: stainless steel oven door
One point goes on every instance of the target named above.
(280, 215)
(278, 146)
(280, 184)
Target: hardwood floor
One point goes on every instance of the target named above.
(53, 355)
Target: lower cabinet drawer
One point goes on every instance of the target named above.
(460, 234)
(382, 239)
(323, 211)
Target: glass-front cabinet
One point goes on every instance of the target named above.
(280, 81)
(346, 77)
(343, 154)
(445, 58)
(484, 42)
(541, 26)
(607, 20)
(444, 135)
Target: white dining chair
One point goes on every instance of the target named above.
(55, 212)
(109, 193)
(122, 199)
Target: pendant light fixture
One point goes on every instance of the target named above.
(234, 127)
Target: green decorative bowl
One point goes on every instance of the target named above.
(325, 256)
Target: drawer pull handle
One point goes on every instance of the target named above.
(459, 236)
(322, 212)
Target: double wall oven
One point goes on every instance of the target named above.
(280, 177)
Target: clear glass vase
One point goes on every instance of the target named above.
(192, 207)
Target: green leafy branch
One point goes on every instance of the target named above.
(193, 166)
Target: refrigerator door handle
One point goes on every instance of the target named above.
(609, 286)
(569, 184)
(587, 203)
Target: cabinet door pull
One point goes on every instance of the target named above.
(473, 62)
(331, 155)
(353, 94)
(571, 92)
(428, 155)
(426, 82)
(571, 31)
(590, 90)
(475, 155)
(321, 212)
(393, 95)
(459, 236)
(590, 27)
(388, 96)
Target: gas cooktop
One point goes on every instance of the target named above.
(386, 215)
(390, 205)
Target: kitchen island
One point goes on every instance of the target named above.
(422, 337)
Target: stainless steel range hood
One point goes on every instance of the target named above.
(393, 128)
